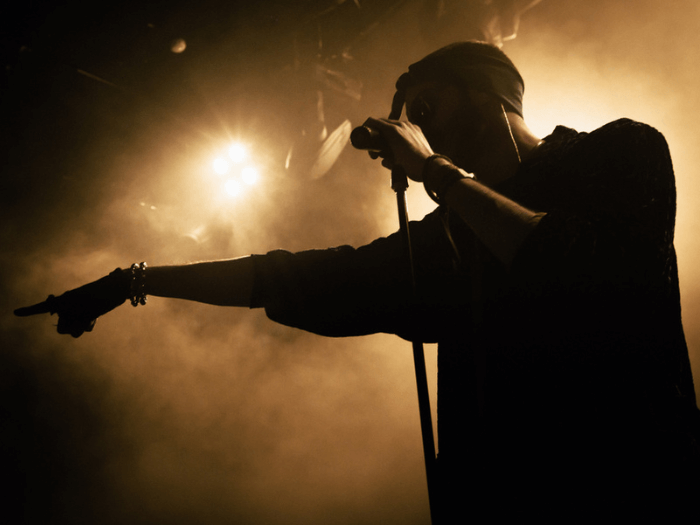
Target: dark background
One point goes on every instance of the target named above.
(179, 412)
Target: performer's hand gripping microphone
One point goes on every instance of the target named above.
(364, 137)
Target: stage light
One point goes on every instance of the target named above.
(236, 174)
(220, 166)
(238, 153)
(178, 45)
(250, 175)
(232, 187)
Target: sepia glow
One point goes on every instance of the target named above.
(239, 176)
(193, 413)
(220, 166)
(238, 153)
(233, 187)
(250, 175)
(178, 45)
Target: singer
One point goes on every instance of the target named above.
(548, 277)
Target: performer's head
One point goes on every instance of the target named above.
(464, 97)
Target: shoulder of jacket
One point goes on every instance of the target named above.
(627, 126)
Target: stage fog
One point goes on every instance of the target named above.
(179, 412)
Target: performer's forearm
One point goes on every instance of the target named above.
(224, 283)
(500, 223)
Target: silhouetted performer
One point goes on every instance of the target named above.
(548, 277)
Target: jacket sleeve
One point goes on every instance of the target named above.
(346, 291)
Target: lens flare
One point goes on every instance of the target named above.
(238, 153)
(220, 166)
(232, 187)
(250, 175)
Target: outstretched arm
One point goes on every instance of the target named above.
(223, 283)
(226, 282)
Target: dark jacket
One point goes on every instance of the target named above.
(572, 362)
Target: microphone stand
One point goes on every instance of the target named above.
(366, 138)
(399, 183)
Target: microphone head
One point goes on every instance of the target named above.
(363, 137)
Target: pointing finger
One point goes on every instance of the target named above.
(43, 307)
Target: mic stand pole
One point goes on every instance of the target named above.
(399, 183)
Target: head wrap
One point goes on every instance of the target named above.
(468, 65)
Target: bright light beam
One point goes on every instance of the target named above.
(220, 166)
(250, 175)
(238, 153)
(232, 187)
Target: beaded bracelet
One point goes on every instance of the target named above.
(137, 285)
(436, 189)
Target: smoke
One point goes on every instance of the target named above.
(178, 412)
(267, 425)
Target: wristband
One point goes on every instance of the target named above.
(137, 285)
(436, 187)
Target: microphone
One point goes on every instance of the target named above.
(363, 137)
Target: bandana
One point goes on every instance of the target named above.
(469, 65)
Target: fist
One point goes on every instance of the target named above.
(408, 147)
